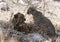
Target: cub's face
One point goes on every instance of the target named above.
(19, 18)
(30, 10)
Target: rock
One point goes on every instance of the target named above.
(34, 37)
(4, 6)
(4, 24)
(5, 36)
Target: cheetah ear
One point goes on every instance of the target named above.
(32, 8)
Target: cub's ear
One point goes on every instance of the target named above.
(16, 16)
(18, 13)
